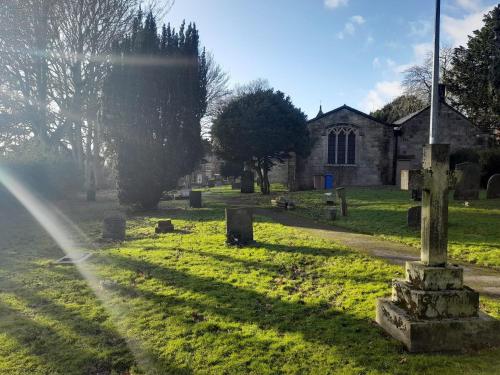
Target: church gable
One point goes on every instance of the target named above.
(352, 146)
(454, 128)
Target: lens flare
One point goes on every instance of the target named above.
(71, 239)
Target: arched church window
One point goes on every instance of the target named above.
(342, 146)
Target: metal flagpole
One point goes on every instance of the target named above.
(433, 134)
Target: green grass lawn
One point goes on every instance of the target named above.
(186, 303)
(474, 231)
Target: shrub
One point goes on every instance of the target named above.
(49, 174)
(490, 164)
(231, 169)
(463, 155)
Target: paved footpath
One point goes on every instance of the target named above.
(485, 281)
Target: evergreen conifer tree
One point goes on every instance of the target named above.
(154, 100)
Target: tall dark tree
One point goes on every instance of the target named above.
(261, 128)
(399, 108)
(471, 82)
(155, 98)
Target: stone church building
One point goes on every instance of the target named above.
(359, 150)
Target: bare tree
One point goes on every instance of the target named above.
(217, 92)
(418, 78)
(26, 34)
(87, 31)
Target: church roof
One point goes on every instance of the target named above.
(407, 118)
(349, 109)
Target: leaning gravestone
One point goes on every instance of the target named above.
(195, 199)
(412, 180)
(493, 189)
(164, 226)
(239, 226)
(342, 201)
(247, 182)
(113, 228)
(468, 179)
(414, 217)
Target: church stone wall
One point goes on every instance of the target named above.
(454, 129)
(374, 156)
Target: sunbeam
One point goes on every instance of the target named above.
(64, 232)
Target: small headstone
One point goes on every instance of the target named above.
(74, 258)
(283, 203)
(195, 199)
(113, 228)
(164, 226)
(468, 179)
(239, 226)
(330, 213)
(91, 196)
(342, 201)
(236, 186)
(414, 217)
(247, 182)
(493, 189)
(329, 199)
(211, 183)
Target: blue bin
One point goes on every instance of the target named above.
(329, 181)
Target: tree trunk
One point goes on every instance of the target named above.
(261, 177)
(265, 181)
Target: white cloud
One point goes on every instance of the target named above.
(382, 94)
(332, 4)
(471, 5)
(370, 39)
(458, 29)
(350, 27)
(420, 28)
(376, 62)
(358, 19)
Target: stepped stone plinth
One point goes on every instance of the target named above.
(431, 310)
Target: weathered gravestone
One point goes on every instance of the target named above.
(247, 182)
(412, 180)
(493, 189)
(330, 213)
(467, 181)
(329, 199)
(195, 199)
(113, 228)
(414, 216)
(164, 226)
(239, 226)
(236, 186)
(431, 310)
(342, 201)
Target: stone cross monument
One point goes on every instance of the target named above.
(431, 310)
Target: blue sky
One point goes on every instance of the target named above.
(330, 51)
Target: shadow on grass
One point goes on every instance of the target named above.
(64, 354)
(318, 323)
